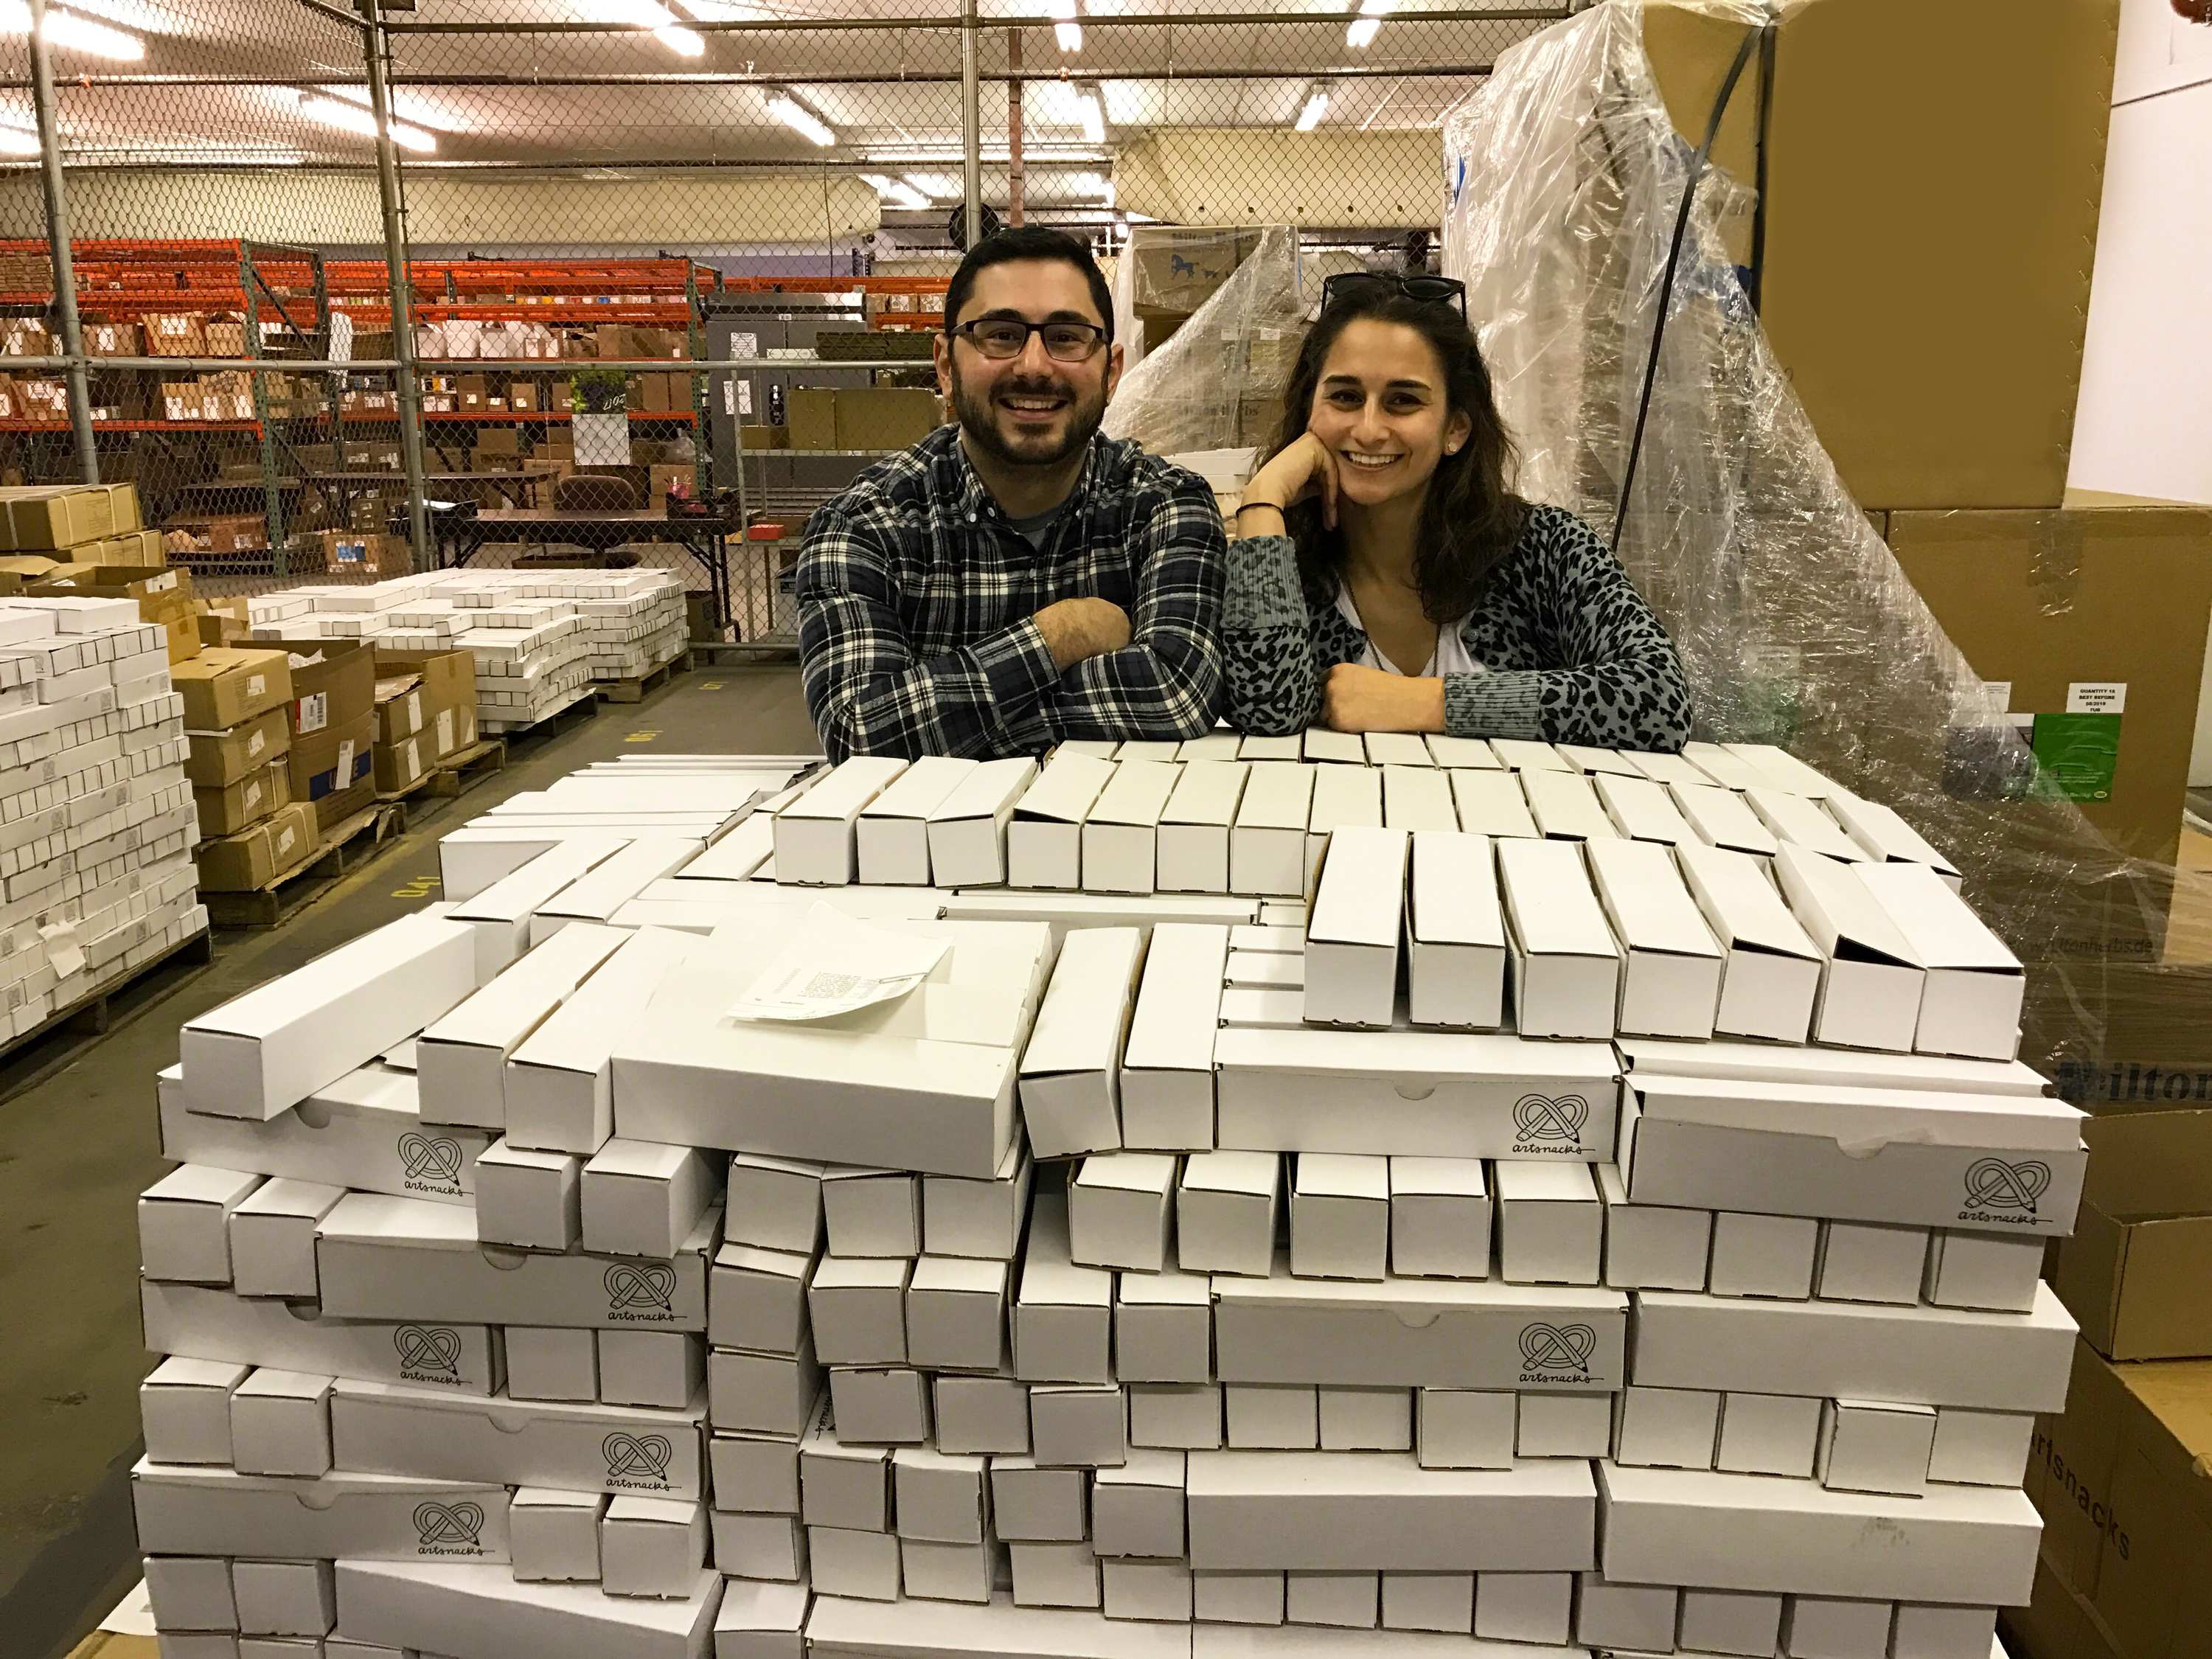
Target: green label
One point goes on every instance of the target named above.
(2078, 753)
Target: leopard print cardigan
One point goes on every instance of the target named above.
(1573, 654)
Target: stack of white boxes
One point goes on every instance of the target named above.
(1170, 1270)
(96, 817)
(539, 637)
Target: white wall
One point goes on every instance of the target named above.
(2143, 426)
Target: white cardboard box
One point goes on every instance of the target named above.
(1455, 933)
(1320, 742)
(844, 1485)
(1340, 1216)
(1975, 986)
(644, 1198)
(595, 896)
(184, 1405)
(546, 1362)
(1747, 1532)
(1801, 823)
(760, 1621)
(1440, 1603)
(280, 1424)
(1121, 835)
(1397, 749)
(1551, 1227)
(1254, 1600)
(527, 1200)
(277, 1044)
(891, 835)
(1565, 807)
(1492, 804)
(946, 1572)
(842, 1629)
(1886, 837)
(272, 1237)
(216, 1512)
(756, 1299)
(1120, 1210)
(1856, 1068)
(1167, 1067)
(968, 828)
(1527, 755)
(461, 1061)
(1981, 1270)
(1670, 983)
(1078, 1426)
(487, 1614)
(558, 1084)
(1262, 1417)
(1875, 1446)
(1598, 762)
(871, 1211)
(650, 1368)
(1666, 1428)
(1636, 1618)
(1980, 1449)
(1827, 1627)
(1034, 1506)
(1474, 752)
(1417, 796)
(1765, 1256)
(1333, 1511)
(761, 1546)
(1367, 1420)
(1071, 1069)
(956, 1313)
(203, 1322)
(1768, 1434)
(775, 1203)
(1464, 1428)
(1771, 969)
(1178, 1416)
(1566, 967)
(1164, 1326)
(1439, 1217)
(1225, 1208)
(981, 1414)
(857, 1305)
(184, 1223)
(652, 1546)
(1063, 1314)
(1054, 1574)
(1136, 1509)
(1336, 1601)
(500, 916)
(1044, 842)
(1523, 1606)
(1643, 810)
(940, 1498)
(1722, 820)
(1344, 798)
(1650, 1246)
(1872, 981)
(814, 834)
(1864, 1261)
(1351, 934)
(961, 1216)
(1193, 827)
(1267, 844)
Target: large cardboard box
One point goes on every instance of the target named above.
(335, 687)
(334, 768)
(1926, 276)
(223, 758)
(366, 553)
(1175, 270)
(430, 696)
(812, 414)
(2051, 604)
(226, 809)
(255, 857)
(223, 688)
(886, 417)
(2136, 1271)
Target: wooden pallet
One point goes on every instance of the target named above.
(88, 1016)
(346, 847)
(634, 691)
(578, 708)
(459, 773)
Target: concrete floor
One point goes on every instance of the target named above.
(78, 1142)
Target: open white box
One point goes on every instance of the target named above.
(1783, 768)
(1192, 854)
(814, 834)
(1071, 1068)
(891, 835)
(501, 915)
(1771, 968)
(596, 895)
(1121, 835)
(1063, 1313)
(1267, 844)
(1802, 823)
(1352, 930)
(1972, 1002)
(1643, 810)
(1670, 981)
(968, 829)
(558, 1086)
(1886, 838)
(461, 1061)
(1566, 965)
(1121, 1210)
(1721, 818)
(1167, 1066)
(1455, 933)
(1872, 981)
(1044, 842)
(1344, 798)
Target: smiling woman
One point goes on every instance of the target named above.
(1391, 581)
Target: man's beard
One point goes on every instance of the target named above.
(978, 420)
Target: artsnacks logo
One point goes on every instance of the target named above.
(2004, 1193)
(1557, 1353)
(642, 1293)
(639, 1461)
(1542, 1123)
(449, 1530)
(428, 1353)
(430, 1163)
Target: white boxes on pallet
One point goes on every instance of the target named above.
(1566, 966)
(461, 1061)
(1167, 1065)
(968, 829)
(1455, 933)
(1351, 934)
(1071, 1069)
(815, 833)
(893, 835)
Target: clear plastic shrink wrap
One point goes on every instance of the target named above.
(1563, 177)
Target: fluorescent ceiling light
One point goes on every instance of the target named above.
(938, 187)
(1317, 107)
(341, 112)
(66, 28)
(1067, 31)
(1089, 183)
(1091, 110)
(15, 141)
(897, 192)
(1367, 25)
(667, 27)
(801, 119)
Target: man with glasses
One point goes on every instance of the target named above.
(1015, 579)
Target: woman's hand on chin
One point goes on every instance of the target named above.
(1304, 469)
(1356, 699)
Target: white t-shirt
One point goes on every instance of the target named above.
(1449, 657)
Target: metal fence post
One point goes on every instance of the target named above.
(971, 121)
(58, 240)
(403, 324)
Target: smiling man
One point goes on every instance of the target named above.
(1015, 579)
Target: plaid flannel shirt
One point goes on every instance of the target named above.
(915, 596)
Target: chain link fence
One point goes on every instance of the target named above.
(629, 235)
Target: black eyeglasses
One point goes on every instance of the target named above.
(1430, 290)
(1003, 337)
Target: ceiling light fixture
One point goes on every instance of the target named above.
(897, 192)
(1316, 106)
(66, 28)
(1367, 25)
(1067, 30)
(801, 119)
(15, 141)
(339, 112)
(1091, 110)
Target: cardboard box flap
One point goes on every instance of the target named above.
(512, 898)
(1885, 835)
(1491, 804)
(2150, 1163)
(1547, 895)
(1207, 792)
(1136, 793)
(581, 1034)
(1170, 1287)
(1079, 1026)
(1049, 1274)
(924, 787)
(1066, 789)
(1761, 1062)
(1527, 755)
(1278, 796)
(1598, 762)
(1862, 1120)
(1566, 807)
(1643, 895)
(1796, 819)
(1345, 796)
(268, 1008)
(847, 789)
(1740, 903)
(1359, 898)
(1721, 818)
(1416, 1059)
(1442, 1178)
(1941, 927)
(1178, 1006)
(1150, 1173)
(530, 988)
(1839, 911)
(1643, 810)
(991, 789)
(415, 1224)
(1452, 895)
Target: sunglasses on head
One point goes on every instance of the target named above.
(1361, 284)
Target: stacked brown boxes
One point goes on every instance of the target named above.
(235, 704)
(426, 710)
(164, 595)
(1175, 270)
(2123, 1477)
(333, 716)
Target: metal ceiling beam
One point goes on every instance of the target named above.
(952, 23)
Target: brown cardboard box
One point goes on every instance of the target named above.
(333, 768)
(522, 397)
(666, 478)
(886, 417)
(226, 810)
(2054, 603)
(224, 622)
(366, 553)
(812, 414)
(176, 334)
(164, 596)
(223, 758)
(1177, 268)
(122, 509)
(243, 532)
(224, 688)
(59, 518)
(498, 440)
(2136, 1271)
(1932, 179)
(764, 437)
(2056, 1624)
(473, 389)
(422, 688)
(253, 857)
(113, 340)
(335, 691)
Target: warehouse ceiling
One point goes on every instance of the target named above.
(548, 84)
